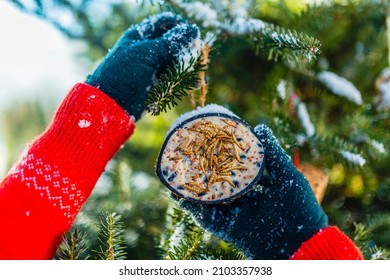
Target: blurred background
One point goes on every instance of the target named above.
(338, 124)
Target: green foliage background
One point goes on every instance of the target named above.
(243, 78)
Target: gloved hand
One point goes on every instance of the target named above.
(270, 222)
(145, 50)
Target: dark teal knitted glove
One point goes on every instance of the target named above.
(143, 52)
(272, 221)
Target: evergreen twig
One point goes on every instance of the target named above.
(287, 44)
(362, 237)
(73, 246)
(190, 248)
(111, 237)
(378, 253)
(334, 145)
(221, 254)
(180, 230)
(174, 84)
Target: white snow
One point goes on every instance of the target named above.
(281, 88)
(192, 51)
(377, 255)
(210, 108)
(384, 88)
(178, 235)
(243, 26)
(378, 146)
(385, 100)
(240, 24)
(353, 158)
(149, 22)
(340, 86)
(304, 117)
(210, 38)
(301, 139)
(84, 123)
(201, 12)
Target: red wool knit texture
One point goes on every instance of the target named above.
(328, 244)
(45, 190)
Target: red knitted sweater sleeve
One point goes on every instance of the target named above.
(45, 190)
(328, 244)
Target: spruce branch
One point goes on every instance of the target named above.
(376, 221)
(73, 246)
(378, 253)
(362, 237)
(340, 149)
(111, 237)
(174, 84)
(223, 254)
(182, 238)
(189, 248)
(286, 44)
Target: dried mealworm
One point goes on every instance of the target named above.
(230, 182)
(236, 141)
(229, 123)
(211, 180)
(201, 163)
(193, 188)
(236, 155)
(175, 158)
(181, 146)
(243, 168)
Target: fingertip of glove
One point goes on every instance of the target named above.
(166, 17)
(155, 25)
(277, 161)
(181, 37)
(164, 22)
(264, 132)
(182, 32)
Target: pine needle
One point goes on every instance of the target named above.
(73, 246)
(173, 85)
(190, 248)
(287, 44)
(111, 237)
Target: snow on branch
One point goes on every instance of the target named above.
(238, 24)
(340, 86)
(304, 117)
(379, 147)
(233, 18)
(353, 158)
(287, 44)
(201, 12)
(383, 86)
